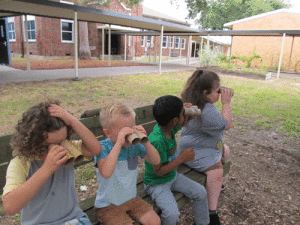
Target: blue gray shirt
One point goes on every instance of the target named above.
(205, 135)
(121, 186)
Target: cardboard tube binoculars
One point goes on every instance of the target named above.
(222, 87)
(137, 137)
(73, 154)
(192, 111)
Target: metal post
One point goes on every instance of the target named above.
(230, 51)
(27, 43)
(109, 43)
(76, 46)
(201, 48)
(154, 48)
(170, 47)
(189, 50)
(281, 54)
(291, 52)
(103, 44)
(195, 49)
(160, 48)
(180, 40)
(208, 41)
(125, 46)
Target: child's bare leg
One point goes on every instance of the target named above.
(226, 154)
(213, 184)
(150, 218)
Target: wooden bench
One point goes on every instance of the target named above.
(90, 119)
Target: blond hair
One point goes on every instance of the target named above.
(110, 112)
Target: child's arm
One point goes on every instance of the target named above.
(185, 156)
(20, 196)
(226, 95)
(108, 165)
(90, 144)
(152, 155)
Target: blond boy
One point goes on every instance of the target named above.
(116, 201)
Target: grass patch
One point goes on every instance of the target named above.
(242, 68)
(85, 173)
(271, 104)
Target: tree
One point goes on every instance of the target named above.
(215, 13)
(84, 47)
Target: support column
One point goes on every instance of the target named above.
(195, 49)
(125, 47)
(281, 54)
(291, 52)
(201, 48)
(109, 43)
(160, 48)
(169, 48)
(180, 40)
(103, 44)
(189, 50)
(230, 51)
(27, 43)
(76, 46)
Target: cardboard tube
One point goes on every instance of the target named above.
(222, 87)
(73, 154)
(143, 137)
(133, 139)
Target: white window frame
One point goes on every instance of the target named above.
(66, 21)
(129, 40)
(30, 18)
(61, 31)
(11, 20)
(149, 41)
(171, 43)
(166, 42)
(183, 41)
(177, 42)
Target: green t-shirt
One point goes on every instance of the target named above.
(163, 146)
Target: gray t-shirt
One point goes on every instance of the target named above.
(205, 135)
(56, 202)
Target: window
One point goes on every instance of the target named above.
(165, 41)
(30, 27)
(171, 42)
(67, 27)
(149, 41)
(177, 41)
(129, 40)
(11, 29)
(183, 43)
(143, 41)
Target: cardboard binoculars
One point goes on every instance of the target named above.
(192, 111)
(222, 87)
(137, 137)
(73, 154)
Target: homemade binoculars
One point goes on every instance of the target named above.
(192, 111)
(137, 137)
(73, 154)
(222, 87)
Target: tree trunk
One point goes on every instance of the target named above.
(84, 47)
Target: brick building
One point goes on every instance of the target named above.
(269, 47)
(50, 37)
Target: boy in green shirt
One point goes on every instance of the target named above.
(162, 179)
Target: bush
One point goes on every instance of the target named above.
(209, 57)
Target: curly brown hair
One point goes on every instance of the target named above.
(32, 131)
(200, 81)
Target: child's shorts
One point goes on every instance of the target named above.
(80, 221)
(129, 212)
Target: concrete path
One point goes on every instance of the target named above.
(8, 74)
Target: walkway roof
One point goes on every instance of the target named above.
(47, 8)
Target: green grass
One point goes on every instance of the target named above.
(85, 173)
(242, 68)
(271, 104)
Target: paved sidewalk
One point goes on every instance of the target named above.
(8, 74)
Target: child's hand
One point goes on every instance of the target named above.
(141, 129)
(171, 152)
(122, 135)
(58, 111)
(226, 95)
(187, 155)
(57, 156)
(187, 105)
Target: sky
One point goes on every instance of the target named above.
(164, 6)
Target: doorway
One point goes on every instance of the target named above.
(3, 43)
(115, 44)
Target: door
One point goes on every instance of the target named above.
(114, 44)
(3, 43)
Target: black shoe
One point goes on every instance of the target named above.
(214, 219)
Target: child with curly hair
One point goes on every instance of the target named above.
(37, 182)
(205, 133)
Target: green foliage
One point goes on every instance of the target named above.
(209, 57)
(214, 14)
(223, 58)
(129, 3)
(247, 58)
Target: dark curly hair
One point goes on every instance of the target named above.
(200, 81)
(32, 131)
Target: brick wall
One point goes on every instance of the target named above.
(269, 47)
